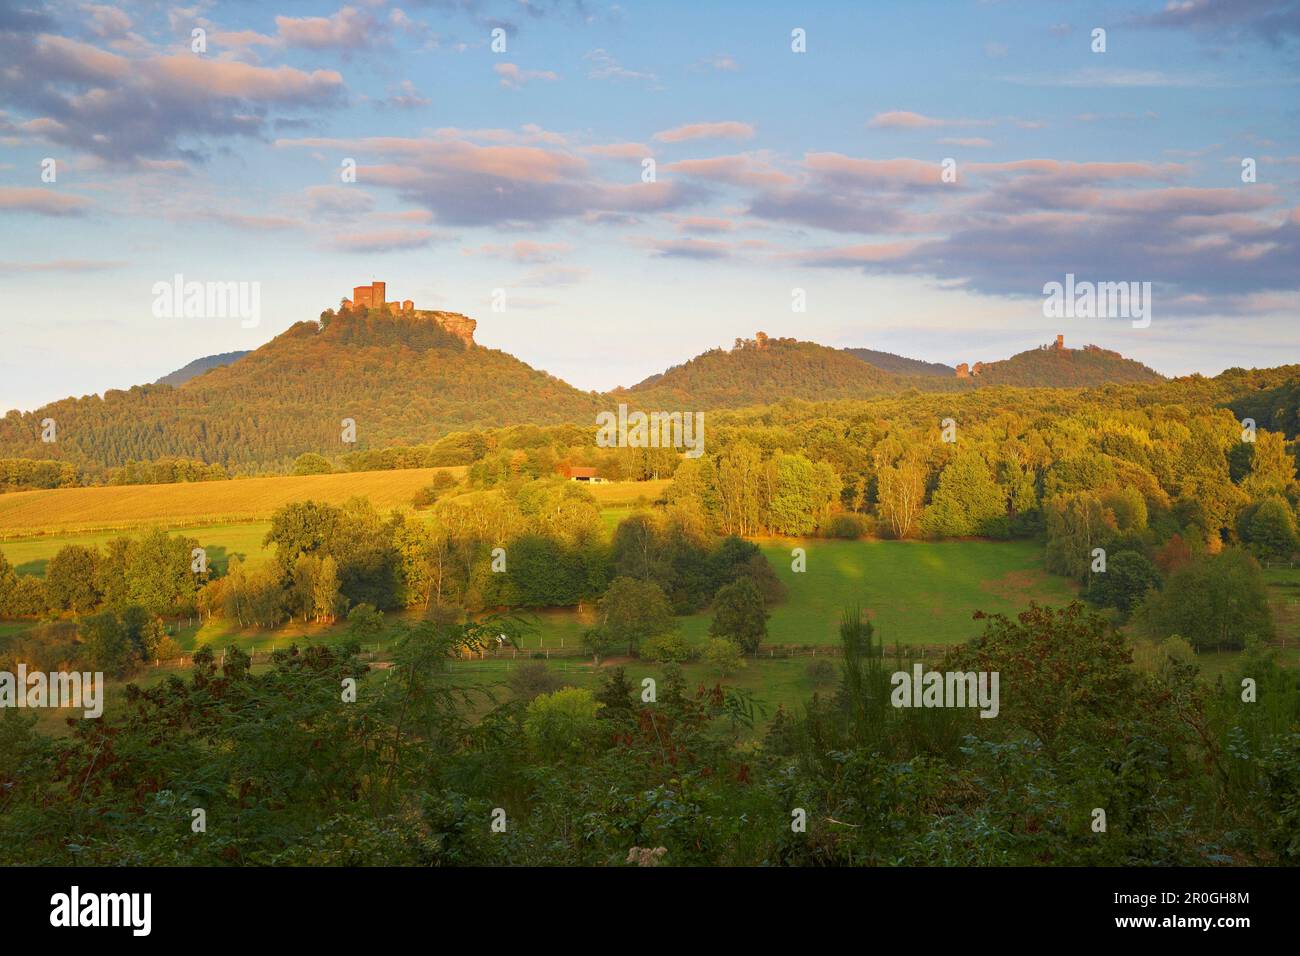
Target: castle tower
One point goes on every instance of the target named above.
(1060, 343)
(408, 305)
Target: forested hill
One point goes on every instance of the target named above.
(1064, 368)
(759, 372)
(198, 367)
(401, 379)
(901, 365)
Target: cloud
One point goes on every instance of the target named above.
(404, 96)
(722, 62)
(45, 202)
(1101, 78)
(729, 129)
(1270, 20)
(124, 109)
(620, 150)
(382, 240)
(741, 169)
(605, 67)
(702, 224)
(903, 119)
(246, 221)
(513, 78)
(686, 248)
(524, 250)
(464, 183)
(972, 142)
(338, 202)
(349, 29)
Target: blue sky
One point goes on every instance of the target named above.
(521, 169)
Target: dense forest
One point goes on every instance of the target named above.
(406, 381)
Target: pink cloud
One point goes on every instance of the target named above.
(724, 130)
(46, 202)
(743, 169)
(620, 150)
(513, 78)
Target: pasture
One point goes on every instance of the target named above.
(242, 500)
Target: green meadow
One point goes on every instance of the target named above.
(222, 541)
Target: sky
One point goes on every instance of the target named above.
(631, 184)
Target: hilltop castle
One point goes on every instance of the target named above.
(374, 296)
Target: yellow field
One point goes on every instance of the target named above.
(628, 492)
(64, 510)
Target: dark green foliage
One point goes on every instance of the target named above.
(1125, 582)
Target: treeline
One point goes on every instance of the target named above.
(25, 474)
(1116, 766)
(534, 544)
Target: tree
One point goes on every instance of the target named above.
(900, 490)
(1272, 469)
(326, 600)
(531, 679)
(1271, 530)
(107, 646)
(968, 501)
(1076, 525)
(311, 463)
(1219, 601)
(1070, 667)
(563, 723)
(599, 643)
(723, 656)
(632, 611)
(1128, 577)
(70, 579)
(803, 495)
(365, 623)
(739, 615)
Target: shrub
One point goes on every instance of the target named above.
(821, 672)
(723, 656)
(667, 647)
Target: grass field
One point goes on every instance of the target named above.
(223, 541)
(69, 510)
(914, 592)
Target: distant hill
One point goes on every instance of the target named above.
(404, 379)
(901, 365)
(1054, 366)
(198, 367)
(760, 371)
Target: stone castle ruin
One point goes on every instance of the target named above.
(374, 296)
(970, 371)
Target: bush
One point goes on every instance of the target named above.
(667, 647)
(311, 463)
(532, 679)
(365, 623)
(821, 673)
(723, 656)
(848, 525)
(562, 723)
